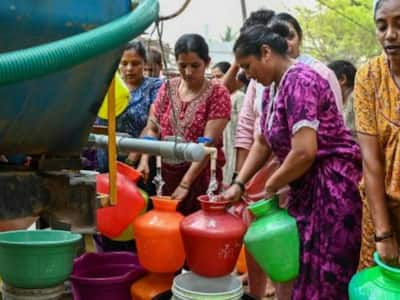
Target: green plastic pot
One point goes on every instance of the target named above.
(381, 282)
(273, 240)
(37, 259)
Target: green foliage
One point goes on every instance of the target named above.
(339, 29)
(229, 35)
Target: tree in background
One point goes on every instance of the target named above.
(229, 35)
(339, 29)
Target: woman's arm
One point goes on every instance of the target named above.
(258, 155)
(244, 137)
(213, 129)
(297, 162)
(151, 129)
(374, 174)
(230, 80)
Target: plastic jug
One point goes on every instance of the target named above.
(381, 282)
(122, 96)
(212, 238)
(112, 221)
(273, 240)
(158, 240)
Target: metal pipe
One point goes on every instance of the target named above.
(182, 151)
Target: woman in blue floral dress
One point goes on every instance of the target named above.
(143, 92)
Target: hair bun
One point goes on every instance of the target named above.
(280, 28)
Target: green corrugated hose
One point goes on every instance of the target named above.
(52, 57)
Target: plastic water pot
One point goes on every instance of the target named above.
(273, 240)
(151, 285)
(37, 259)
(158, 240)
(113, 221)
(241, 265)
(212, 238)
(376, 283)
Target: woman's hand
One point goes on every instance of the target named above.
(132, 159)
(143, 168)
(389, 251)
(233, 193)
(270, 191)
(180, 193)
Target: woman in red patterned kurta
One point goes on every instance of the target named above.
(192, 108)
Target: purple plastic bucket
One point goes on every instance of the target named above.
(105, 276)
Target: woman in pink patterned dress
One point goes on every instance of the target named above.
(193, 107)
(301, 124)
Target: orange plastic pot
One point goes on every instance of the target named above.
(151, 285)
(212, 238)
(158, 239)
(241, 266)
(112, 221)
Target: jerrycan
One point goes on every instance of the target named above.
(381, 282)
(273, 240)
(212, 238)
(158, 240)
(113, 221)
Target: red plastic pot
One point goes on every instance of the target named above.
(212, 239)
(112, 221)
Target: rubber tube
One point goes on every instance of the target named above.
(41, 60)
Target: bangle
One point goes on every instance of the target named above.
(235, 174)
(130, 162)
(184, 186)
(240, 184)
(384, 236)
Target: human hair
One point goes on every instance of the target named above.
(192, 43)
(154, 56)
(377, 5)
(223, 66)
(258, 17)
(344, 68)
(285, 17)
(251, 40)
(138, 47)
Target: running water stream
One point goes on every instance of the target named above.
(158, 180)
(213, 185)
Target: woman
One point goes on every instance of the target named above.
(218, 71)
(345, 72)
(318, 158)
(187, 108)
(294, 41)
(143, 91)
(376, 105)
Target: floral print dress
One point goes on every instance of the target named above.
(133, 120)
(325, 201)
